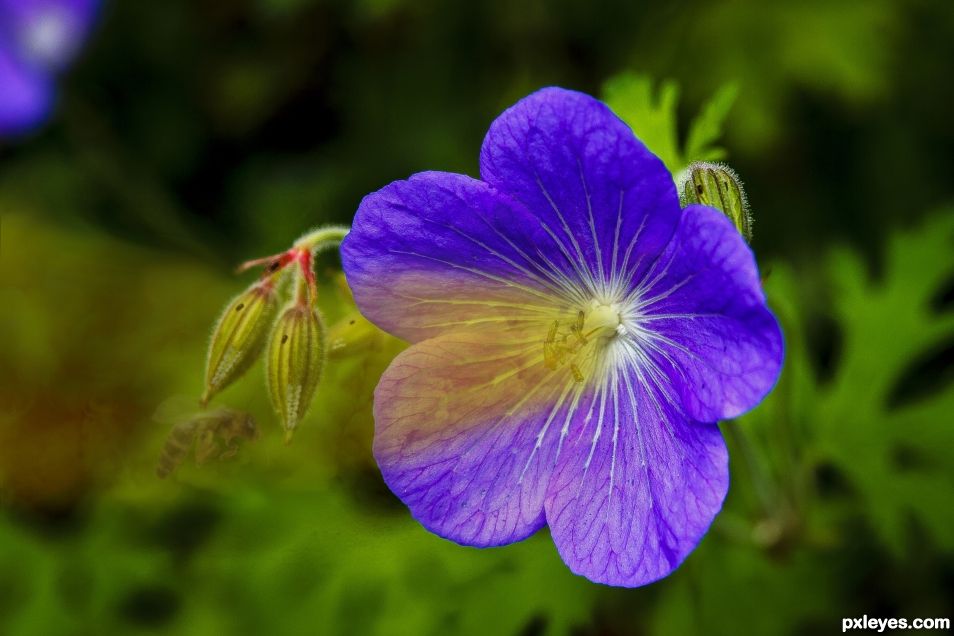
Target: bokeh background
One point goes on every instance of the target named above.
(190, 135)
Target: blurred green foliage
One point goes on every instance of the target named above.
(654, 118)
(840, 485)
(193, 135)
(221, 129)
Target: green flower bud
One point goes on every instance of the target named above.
(296, 356)
(718, 186)
(239, 336)
(352, 335)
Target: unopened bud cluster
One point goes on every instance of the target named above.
(296, 339)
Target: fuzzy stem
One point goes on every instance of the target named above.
(302, 290)
(322, 238)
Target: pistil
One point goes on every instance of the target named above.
(602, 321)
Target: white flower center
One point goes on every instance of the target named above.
(603, 321)
(579, 343)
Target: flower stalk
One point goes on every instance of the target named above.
(322, 238)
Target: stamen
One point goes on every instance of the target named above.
(580, 345)
(577, 374)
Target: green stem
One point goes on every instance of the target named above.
(323, 238)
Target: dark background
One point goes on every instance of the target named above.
(191, 135)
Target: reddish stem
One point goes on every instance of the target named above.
(308, 273)
(276, 263)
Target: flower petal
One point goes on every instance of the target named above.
(465, 433)
(708, 325)
(442, 252)
(47, 34)
(610, 204)
(27, 96)
(636, 485)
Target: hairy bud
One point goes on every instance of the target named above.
(296, 356)
(239, 336)
(718, 186)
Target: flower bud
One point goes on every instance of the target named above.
(296, 356)
(718, 186)
(239, 336)
(352, 335)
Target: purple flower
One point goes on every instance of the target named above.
(576, 337)
(38, 38)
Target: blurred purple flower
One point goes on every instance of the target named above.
(38, 39)
(576, 337)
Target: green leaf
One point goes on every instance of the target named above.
(652, 114)
(894, 458)
(706, 128)
(897, 457)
